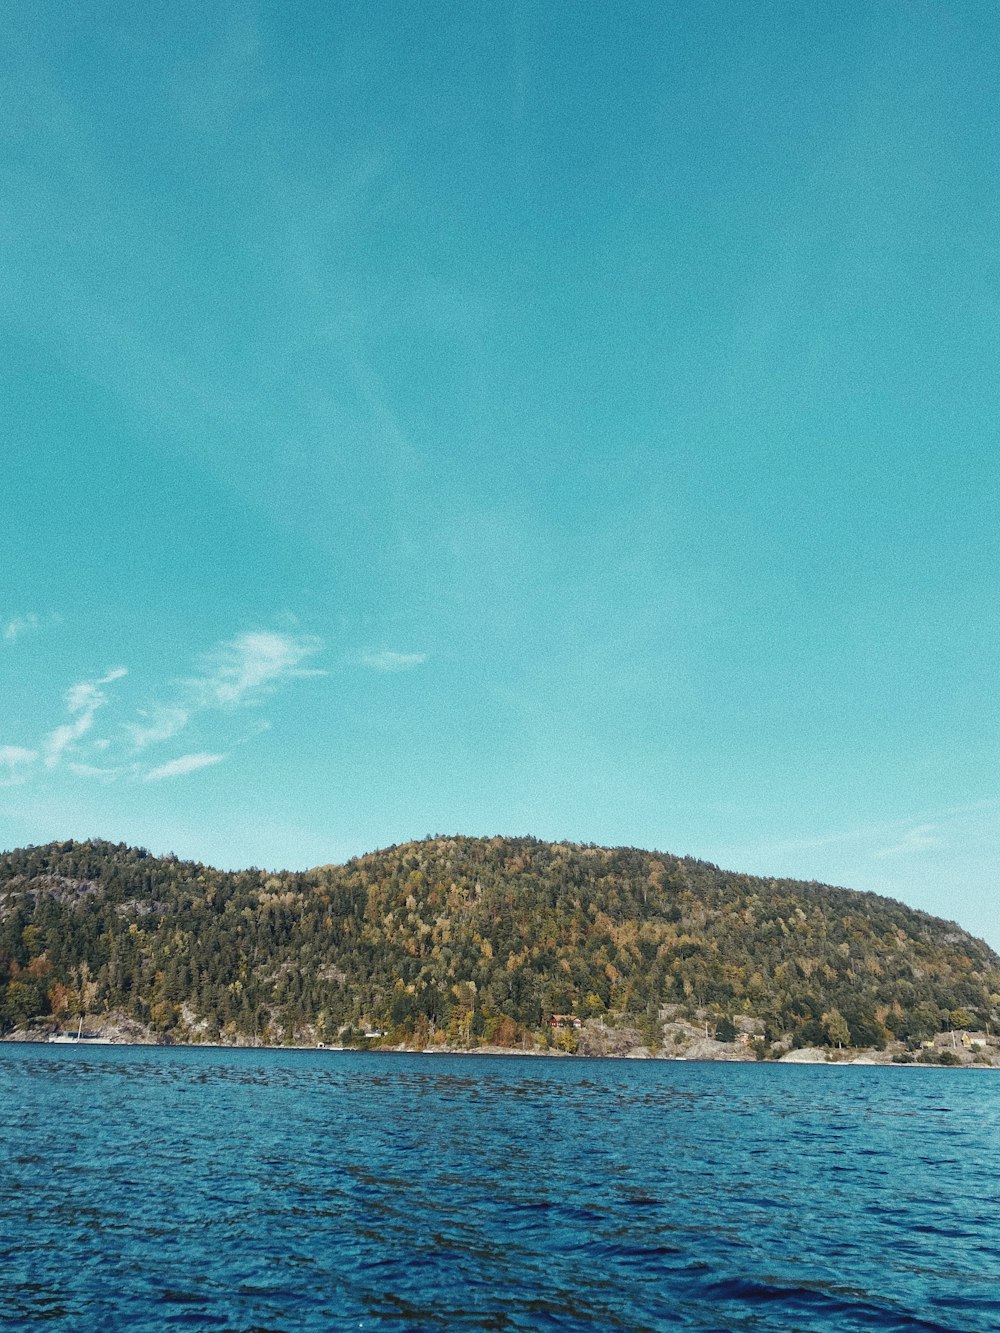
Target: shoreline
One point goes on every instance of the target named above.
(860, 1059)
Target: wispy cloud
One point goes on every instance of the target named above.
(157, 724)
(19, 625)
(14, 759)
(249, 667)
(82, 702)
(392, 661)
(186, 763)
(238, 673)
(918, 839)
(94, 771)
(882, 841)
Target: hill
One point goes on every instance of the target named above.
(469, 941)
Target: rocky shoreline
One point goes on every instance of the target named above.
(681, 1040)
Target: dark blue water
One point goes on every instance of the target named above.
(148, 1189)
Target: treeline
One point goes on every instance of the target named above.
(470, 941)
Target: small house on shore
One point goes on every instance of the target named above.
(565, 1021)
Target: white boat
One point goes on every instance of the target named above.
(78, 1039)
(66, 1038)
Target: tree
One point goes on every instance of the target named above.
(725, 1029)
(836, 1027)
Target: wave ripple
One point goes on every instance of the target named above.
(279, 1190)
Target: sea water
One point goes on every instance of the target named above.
(159, 1188)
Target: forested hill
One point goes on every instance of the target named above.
(467, 941)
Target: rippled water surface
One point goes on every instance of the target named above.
(147, 1189)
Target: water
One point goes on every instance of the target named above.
(150, 1189)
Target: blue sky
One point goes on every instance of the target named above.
(576, 420)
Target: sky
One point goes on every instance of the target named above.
(576, 420)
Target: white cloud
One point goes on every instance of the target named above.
(160, 723)
(58, 740)
(19, 625)
(93, 771)
(239, 673)
(918, 839)
(82, 702)
(391, 661)
(16, 754)
(13, 759)
(249, 667)
(187, 763)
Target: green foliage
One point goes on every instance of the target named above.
(470, 941)
(725, 1029)
(943, 1057)
(836, 1027)
(650, 1029)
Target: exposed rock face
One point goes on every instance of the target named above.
(749, 1027)
(807, 1055)
(709, 1049)
(120, 1027)
(597, 1039)
(57, 888)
